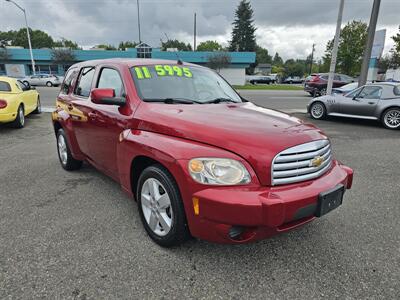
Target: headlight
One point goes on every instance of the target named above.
(220, 171)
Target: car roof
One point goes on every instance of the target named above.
(130, 62)
(7, 79)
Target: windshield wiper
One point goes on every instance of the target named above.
(219, 100)
(171, 100)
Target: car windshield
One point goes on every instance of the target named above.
(353, 93)
(349, 86)
(184, 84)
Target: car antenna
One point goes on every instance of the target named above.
(179, 61)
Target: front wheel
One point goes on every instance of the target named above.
(38, 109)
(64, 153)
(161, 208)
(318, 111)
(391, 118)
(49, 84)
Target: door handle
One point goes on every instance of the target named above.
(371, 102)
(70, 107)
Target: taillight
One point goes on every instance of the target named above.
(3, 104)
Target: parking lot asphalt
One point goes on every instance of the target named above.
(76, 235)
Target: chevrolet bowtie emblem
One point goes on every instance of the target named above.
(317, 161)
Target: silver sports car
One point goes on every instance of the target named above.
(378, 101)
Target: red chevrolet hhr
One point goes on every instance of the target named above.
(199, 160)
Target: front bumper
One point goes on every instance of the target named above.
(260, 212)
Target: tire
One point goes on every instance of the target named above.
(38, 109)
(318, 110)
(49, 84)
(19, 121)
(64, 154)
(165, 223)
(290, 82)
(391, 118)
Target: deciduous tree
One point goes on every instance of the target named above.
(218, 61)
(209, 46)
(181, 46)
(351, 48)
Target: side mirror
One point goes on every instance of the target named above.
(106, 97)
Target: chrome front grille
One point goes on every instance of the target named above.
(302, 162)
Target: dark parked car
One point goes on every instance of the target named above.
(261, 79)
(316, 84)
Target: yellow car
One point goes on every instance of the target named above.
(17, 100)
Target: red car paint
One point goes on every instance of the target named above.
(111, 138)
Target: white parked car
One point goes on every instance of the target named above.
(42, 80)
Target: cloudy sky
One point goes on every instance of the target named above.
(289, 27)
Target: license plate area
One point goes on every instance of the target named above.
(329, 200)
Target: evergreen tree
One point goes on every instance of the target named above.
(277, 61)
(243, 32)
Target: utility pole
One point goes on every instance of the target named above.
(312, 57)
(370, 41)
(27, 33)
(194, 33)
(138, 19)
(335, 49)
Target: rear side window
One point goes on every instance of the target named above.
(110, 79)
(84, 84)
(5, 86)
(396, 90)
(65, 88)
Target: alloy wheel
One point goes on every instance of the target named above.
(39, 107)
(392, 118)
(21, 116)
(62, 149)
(317, 110)
(156, 207)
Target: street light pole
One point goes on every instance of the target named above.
(27, 33)
(335, 49)
(312, 58)
(370, 41)
(138, 18)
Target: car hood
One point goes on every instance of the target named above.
(256, 134)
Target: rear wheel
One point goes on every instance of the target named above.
(391, 118)
(38, 109)
(64, 154)
(161, 208)
(49, 84)
(19, 121)
(318, 111)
